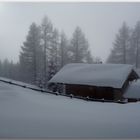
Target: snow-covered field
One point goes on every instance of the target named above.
(27, 113)
(18, 83)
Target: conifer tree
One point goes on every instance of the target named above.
(29, 55)
(79, 47)
(119, 53)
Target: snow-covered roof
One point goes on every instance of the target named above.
(104, 75)
(25, 113)
(133, 91)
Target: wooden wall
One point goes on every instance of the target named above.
(93, 92)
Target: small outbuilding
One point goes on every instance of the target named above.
(97, 81)
(133, 91)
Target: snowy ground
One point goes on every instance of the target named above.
(26, 113)
(18, 83)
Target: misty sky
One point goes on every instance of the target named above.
(99, 21)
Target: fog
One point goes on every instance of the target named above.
(99, 21)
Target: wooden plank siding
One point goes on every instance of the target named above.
(90, 91)
(107, 93)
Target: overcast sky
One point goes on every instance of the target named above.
(99, 21)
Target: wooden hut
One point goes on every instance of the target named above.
(97, 81)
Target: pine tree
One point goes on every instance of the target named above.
(121, 46)
(6, 68)
(63, 50)
(79, 47)
(29, 55)
(46, 31)
(53, 62)
(15, 71)
(135, 45)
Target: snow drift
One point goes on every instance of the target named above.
(133, 91)
(25, 113)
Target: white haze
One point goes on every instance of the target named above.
(99, 21)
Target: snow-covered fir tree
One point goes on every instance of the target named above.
(135, 45)
(53, 61)
(46, 32)
(63, 50)
(121, 46)
(79, 47)
(29, 55)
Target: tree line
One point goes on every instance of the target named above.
(9, 69)
(45, 51)
(126, 47)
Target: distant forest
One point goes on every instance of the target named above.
(126, 47)
(46, 50)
